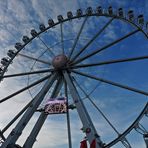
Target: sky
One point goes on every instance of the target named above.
(18, 17)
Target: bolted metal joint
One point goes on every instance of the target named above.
(71, 106)
(60, 61)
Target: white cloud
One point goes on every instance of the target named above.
(17, 18)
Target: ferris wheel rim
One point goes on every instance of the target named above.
(76, 17)
(73, 18)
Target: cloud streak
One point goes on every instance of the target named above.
(17, 18)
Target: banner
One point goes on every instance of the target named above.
(56, 105)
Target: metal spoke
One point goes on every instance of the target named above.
(96, 35)
(46, 46)
(68, 117)
(25, 88)
(111, 83)
(103, 115)
(110, 62)
(99, 110)
(32, 58)
(28, 73)
(105, 47)
(77, 38)
(37, 127)
(62, 42)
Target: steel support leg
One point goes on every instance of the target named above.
(36, 129)
(17, 131)
(68, 118)
(91, 132)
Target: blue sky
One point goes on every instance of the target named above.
(17, 18)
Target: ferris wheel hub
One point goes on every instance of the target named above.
(60, 61)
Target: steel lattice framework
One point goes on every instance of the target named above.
(60, 76)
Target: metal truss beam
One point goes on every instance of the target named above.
(37, 127)
(17, 131)
(83, 114)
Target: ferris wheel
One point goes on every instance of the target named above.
(91, 55)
